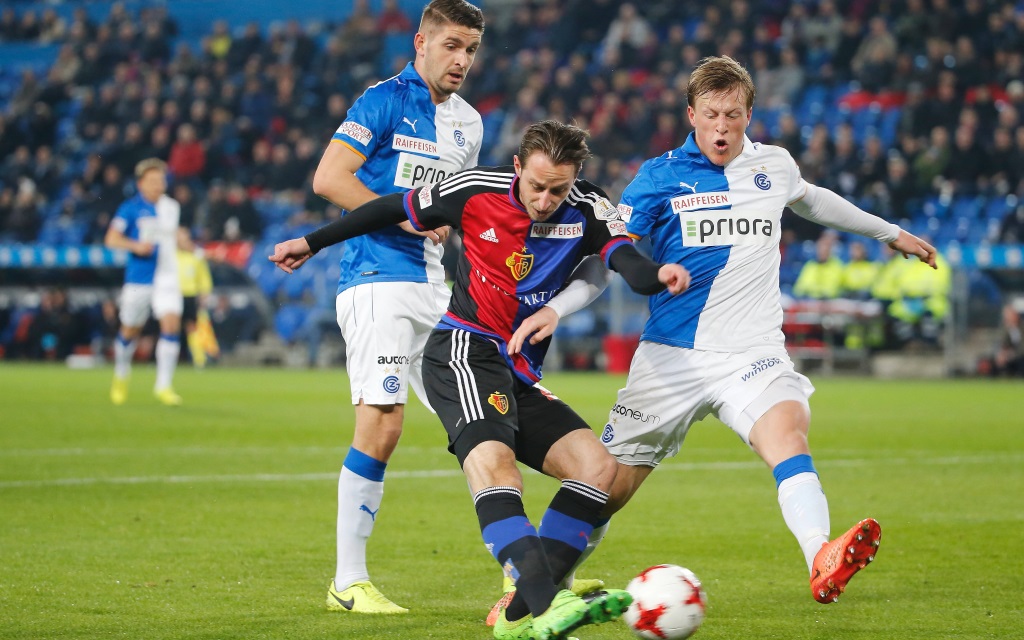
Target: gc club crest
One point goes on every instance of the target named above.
(519, 263)
(499, 401)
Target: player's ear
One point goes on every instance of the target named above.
(518, 166)
(419, 42)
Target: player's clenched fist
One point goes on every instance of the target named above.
(291, 254)
(675, 277)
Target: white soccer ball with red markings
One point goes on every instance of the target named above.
(668, 603)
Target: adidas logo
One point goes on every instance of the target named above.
(489, 235)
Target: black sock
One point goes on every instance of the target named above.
(565, 530)
(515, 545)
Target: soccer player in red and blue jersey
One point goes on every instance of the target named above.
(524, 229)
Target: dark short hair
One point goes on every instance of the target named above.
(561, 143)
(719, 74)
(458, 12)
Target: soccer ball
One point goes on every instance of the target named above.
(668, 603)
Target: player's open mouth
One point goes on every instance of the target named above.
(455, 77)
(721, 144)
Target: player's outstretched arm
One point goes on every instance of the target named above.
(910, 245)
(646, 276)
(372, 216)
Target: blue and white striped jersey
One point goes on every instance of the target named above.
(407, 142)
(157, 224)
(723, 225)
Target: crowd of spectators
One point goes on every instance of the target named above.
(883, 302)
(892, 104)
(243, 116)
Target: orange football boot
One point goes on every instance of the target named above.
(495, 612)
(837, 561)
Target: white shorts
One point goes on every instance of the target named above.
(670, 388)
(138, 299)
(385, 326)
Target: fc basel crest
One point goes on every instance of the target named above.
(519, 263)
(499, 401)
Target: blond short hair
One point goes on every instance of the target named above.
(719, 74)
(149, 164)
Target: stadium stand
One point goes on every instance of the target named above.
(914, 115)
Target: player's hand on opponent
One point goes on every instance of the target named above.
(437, 236)
(910, 245)
(291, 254)
(537, 327)
(675, 277)
(143, 249)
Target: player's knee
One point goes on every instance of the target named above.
(627, 481)
(378, 427)
(599, 471)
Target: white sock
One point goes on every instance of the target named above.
(358, 503)
(167, 351)
(123, 354)
(805, 510)
(596, 536)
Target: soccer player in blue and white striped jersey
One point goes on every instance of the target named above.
(147, 227)
(714, 205)
(408, 131)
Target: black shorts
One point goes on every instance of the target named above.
(478, 398)
(189, 309)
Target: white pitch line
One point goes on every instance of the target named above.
(191, 451)
(452, 473)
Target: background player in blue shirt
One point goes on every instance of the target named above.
(147, 227)
(407, 131)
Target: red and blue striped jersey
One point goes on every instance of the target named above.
(511, 266)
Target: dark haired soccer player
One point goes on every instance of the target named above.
(408, 131)
(524, 228)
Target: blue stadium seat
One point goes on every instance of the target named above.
(296, 285)
(889, 125)
(396, 45)
(998, 207)
(288, 320)
(265, 274)
(935, 207)
(968, 207)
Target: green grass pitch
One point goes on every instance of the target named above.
(215, 520)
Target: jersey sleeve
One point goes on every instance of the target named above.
(604, 231)
(640, 205)
(427, 208)
(369, 121)
(797, 186)
(123, 217)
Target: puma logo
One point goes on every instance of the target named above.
(373, 514)
(411, 124)
(691, 188)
